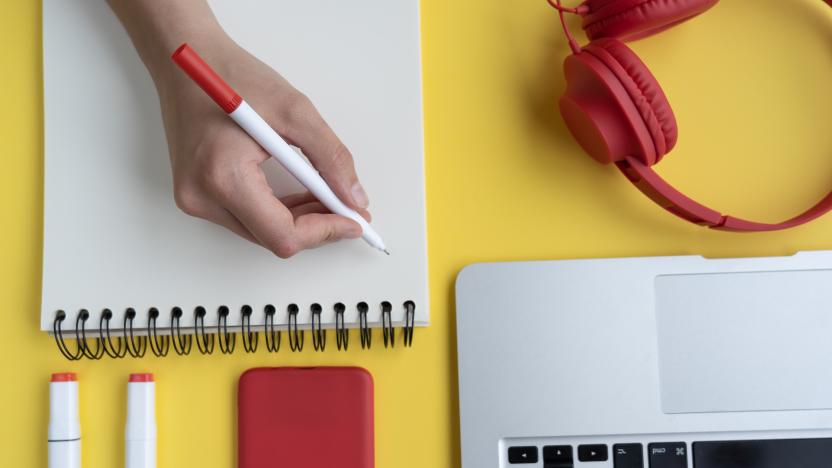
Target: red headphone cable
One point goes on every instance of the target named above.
(580, 10)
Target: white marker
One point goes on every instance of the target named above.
(140, 433)
(64, 426)
(257, 128)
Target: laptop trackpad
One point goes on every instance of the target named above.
(757, 341)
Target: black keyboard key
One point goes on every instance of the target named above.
(790, 453)
(522, 454)
(557, 456)
(627, 456)
(590, 453)
(668, 455)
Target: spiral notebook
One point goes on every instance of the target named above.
(122, 262)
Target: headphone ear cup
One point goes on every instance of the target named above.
(634, 19)
(645, 92)
(614, 107)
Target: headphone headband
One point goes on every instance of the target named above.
(674, 201)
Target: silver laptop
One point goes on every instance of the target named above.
(664, 362)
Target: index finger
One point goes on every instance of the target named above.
(309, 131)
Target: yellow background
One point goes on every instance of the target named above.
(750, 85)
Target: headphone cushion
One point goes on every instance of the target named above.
(643, 90)
(635, 19)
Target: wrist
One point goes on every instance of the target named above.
(158, 28)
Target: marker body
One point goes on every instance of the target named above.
(65, 454)
(140, 431)
(64, 426)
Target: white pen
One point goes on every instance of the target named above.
(140, 431)
(263, 134)
(64, 425)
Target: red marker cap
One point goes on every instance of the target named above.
(207, 79)
(141, 378)
(64, 377)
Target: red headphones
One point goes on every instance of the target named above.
(618, 113)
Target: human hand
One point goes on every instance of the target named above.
(216, 166)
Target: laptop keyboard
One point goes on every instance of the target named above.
(764, 453)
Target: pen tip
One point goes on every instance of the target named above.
(385, 251)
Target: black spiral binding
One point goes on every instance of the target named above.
(318, 334)
(181, 343)
(342, 334)
(409, 322)
(249, 338)
(387, 324)
(363, 326)
(136, 347)
(159, 344)
(204, 342)
(57, 333)
(227, 340)
(136, 341)
(295, 339)
(271, 335)
(107, 339)
(81, 337)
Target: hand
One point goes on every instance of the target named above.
(216, 165)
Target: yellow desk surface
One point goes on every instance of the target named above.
(750, 85)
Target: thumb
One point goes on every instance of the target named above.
(308, 130)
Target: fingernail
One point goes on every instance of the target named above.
(359, 196)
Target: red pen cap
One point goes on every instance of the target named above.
(141, 378)
(64, 377)
(207, 79)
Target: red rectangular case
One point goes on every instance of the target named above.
(319, 417)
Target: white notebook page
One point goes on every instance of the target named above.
(113, 237)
